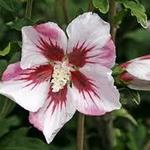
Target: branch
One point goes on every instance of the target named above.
(29, 9)
(80, 132)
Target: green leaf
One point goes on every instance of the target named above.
(22, 1)
(15, 57)
(137, 10)
(119, 17)
(117, 70)
(137, 137)
(18, 140)
(102, 5)
(135, 96)
(130, 96)
(6, 106)
(125, 114)
(17, 24)
(5, 51)
(5, 5)
(139, 35)
(3, 65)
(7, 123)
(11, 46)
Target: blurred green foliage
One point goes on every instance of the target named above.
(131, 127)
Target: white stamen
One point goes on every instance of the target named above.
(60, 76)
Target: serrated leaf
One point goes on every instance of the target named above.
(5, 51)
(137, 10)
(125, 114)
(102, 5)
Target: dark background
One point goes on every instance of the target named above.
(131, 125)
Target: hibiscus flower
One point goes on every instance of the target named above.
(137, 73)
(60, 74)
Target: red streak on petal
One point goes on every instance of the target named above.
(12, 71)
(107, 55)
(78, 56)
(144, 57)
(57, 98)
(46, 30)
(83, 84)
(35, 76)
(125, 65)
(126, 77)
(50, 50)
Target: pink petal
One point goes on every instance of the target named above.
(143, 57)
(28, 87)
(137, 74)
(108, 54)
(42, 43)
(139, 68)
(12, 71)
(142, 85)
(90, 41)
(135, 83)
(93, 90)
(125, 76)
(57, 110)
(46, 29)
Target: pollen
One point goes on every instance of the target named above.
(60, 76)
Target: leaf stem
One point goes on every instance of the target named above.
(80, 132)
(112, 13)
(28, 9)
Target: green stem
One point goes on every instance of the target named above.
(112, 13)
(80, 132)
(29, 9)
(106, 128)
(65, 11)
(90, 6)
(2, 113)
(105, 131)
(7, 108)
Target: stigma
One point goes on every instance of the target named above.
(61, 76)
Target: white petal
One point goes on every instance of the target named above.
(50, 119)
(89, 31)
(140, 69)
(30, 93)
(26, 96)
(106, 96)
(31, 36)
(142, 85)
